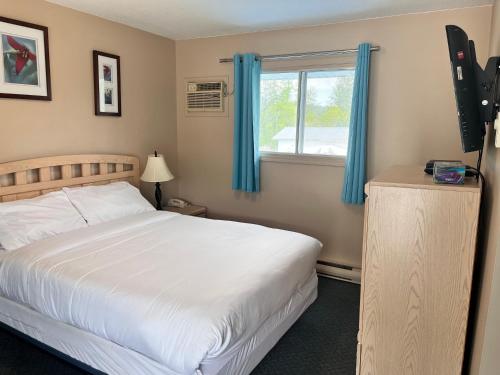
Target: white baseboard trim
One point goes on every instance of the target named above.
(340, 272)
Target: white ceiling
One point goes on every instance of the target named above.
(186, 19)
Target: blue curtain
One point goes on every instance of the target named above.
(355, 168)
(246, 165)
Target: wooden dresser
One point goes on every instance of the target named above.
(418, 254)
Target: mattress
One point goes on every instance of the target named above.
(110, 358)
(185, 293)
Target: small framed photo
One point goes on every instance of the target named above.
(24, 60)
(107, 84)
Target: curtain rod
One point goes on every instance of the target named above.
(304, 54)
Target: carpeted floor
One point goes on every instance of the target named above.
(322, 342)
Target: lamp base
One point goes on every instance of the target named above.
(158, 196)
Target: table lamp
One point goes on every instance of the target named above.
(157, 171)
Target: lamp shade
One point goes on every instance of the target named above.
(156, 170)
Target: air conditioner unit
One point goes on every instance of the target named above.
(205, 96)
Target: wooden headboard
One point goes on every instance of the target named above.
(31, 178)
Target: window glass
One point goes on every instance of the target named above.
(327, 112)
(278, 111)
(311, 120)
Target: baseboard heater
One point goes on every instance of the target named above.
(339, 271)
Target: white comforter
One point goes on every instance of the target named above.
(177, 289)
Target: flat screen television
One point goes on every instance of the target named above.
(464, 66)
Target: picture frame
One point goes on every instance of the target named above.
(24, 60)
(107, 84)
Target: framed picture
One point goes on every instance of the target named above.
(107, 84)
(24, 60)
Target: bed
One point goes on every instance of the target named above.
(155, 292)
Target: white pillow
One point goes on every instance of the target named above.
(99, 204)
(25, 221)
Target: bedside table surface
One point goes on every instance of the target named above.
(192, 210)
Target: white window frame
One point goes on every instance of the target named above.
(298, 157)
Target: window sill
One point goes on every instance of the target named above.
(281, 157)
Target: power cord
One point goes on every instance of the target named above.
(478, 165)
(477, 173)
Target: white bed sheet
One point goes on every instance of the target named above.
(114, 359)
(149, 284)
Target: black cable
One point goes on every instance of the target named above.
(478, 165)
(478, 174)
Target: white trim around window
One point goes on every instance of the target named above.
(298, 156)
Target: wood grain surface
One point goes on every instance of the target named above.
(34, 177)
(418, 257)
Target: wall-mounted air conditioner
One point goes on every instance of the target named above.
(205, 96)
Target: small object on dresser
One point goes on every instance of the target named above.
(157, 171)
(429, 166)
(449, 172)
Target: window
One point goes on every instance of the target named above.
(306, 112)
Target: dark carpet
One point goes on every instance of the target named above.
(322, 342)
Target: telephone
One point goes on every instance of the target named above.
(178, 202)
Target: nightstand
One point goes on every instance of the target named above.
(191, 210)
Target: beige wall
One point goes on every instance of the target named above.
(67, 124)
(486, 359)
(412, 118)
